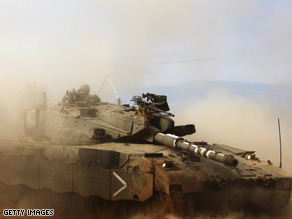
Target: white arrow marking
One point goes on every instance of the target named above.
(122, 181)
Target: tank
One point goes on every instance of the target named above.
(123, 152)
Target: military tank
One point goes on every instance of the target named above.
(123, 152)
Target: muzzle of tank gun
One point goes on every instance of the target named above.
(180, 143)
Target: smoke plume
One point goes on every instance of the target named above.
(246, 122)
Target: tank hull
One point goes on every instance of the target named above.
(123, 171)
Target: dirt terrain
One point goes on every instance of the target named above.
(71, 205)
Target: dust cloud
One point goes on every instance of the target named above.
(242, 121)
(18, 97)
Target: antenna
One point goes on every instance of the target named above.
(102, 85)
(280, 144)
(107, 78)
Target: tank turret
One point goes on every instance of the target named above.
(148, 120)
(82, 119)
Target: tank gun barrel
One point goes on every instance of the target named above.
(180, 143)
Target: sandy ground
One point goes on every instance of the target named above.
(71, 205)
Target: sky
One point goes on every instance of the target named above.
(145, 42)
(57, 45)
